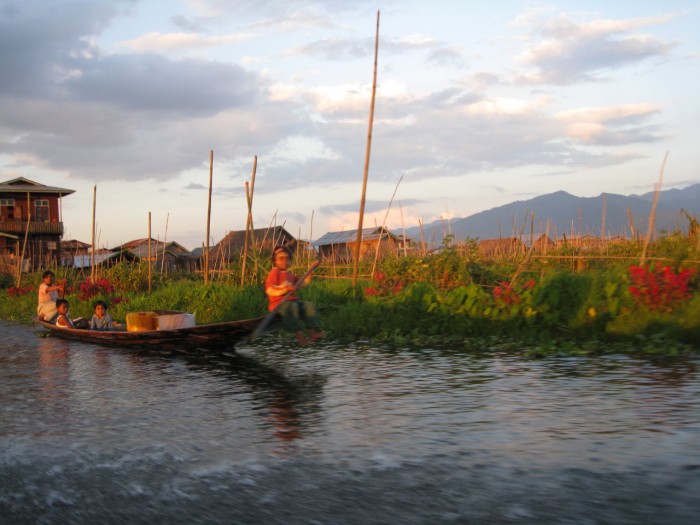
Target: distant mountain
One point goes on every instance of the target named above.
(561, 213)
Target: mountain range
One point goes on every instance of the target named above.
(560, 213)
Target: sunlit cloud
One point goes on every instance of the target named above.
(181, 41)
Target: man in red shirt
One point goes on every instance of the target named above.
(279, 283)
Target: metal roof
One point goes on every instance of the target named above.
(368, 234)
(85, 261)
(22, 185)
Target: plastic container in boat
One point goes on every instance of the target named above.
(141, 321)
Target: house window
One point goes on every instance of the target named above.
(42, 210)
(7, 209)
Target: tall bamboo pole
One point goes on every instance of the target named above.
(165, 242)
(206, 252)
(358, 247)
(149, 252)
(381, 234)
(249, 220)
(93, 271)
(652, 214)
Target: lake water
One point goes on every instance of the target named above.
(339, 434)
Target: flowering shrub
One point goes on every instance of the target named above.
(660, 288)
(385, 286)
(13, 291)
(90, 288)
(505, 295)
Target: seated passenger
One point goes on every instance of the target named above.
(48, 294)
(62, 319)
(101, 320)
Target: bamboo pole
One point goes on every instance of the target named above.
(403, 231)
(381, 234)
(149, 252)
(20, 259)
(424, 250)
(311, 239)
(165, 242)
(249, 219)
(652, 214)
(92, 247)
(206, 252)
(367, 156)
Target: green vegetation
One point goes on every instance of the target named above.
(546, 306)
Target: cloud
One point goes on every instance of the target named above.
(371, 206)
(563, 51)
(348, 48)
(40, 42)
(154, 83)
(181, 41)
(612, 125)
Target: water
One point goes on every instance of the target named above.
(343, 435)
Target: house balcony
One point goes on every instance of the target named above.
(35, 227)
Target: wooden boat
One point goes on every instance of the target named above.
(187, 340)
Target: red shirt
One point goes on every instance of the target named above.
(277, 277)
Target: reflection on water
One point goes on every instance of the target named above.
(343, 434)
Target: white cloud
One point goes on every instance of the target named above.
(181, 41)
(563, 51)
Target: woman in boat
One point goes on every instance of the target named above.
(294, 312)
(49, 293)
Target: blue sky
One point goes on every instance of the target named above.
(478, 104)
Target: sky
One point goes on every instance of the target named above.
(478, 104)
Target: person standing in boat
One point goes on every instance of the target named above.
(49, 293)
(295, 313)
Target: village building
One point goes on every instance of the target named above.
(164, 256)
(33, 211)
(543, 244)
(583, 243)
(231, 247)
(340, 246)
(504, 247)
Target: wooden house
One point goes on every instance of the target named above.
(264, 239)
(164, 255)
(31, 209)
(582, 243)
(505, 247)
(340, 246)
(543, 244)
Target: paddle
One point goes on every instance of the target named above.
(300, 282)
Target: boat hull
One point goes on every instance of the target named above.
(208, 336)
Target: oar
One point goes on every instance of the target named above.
(263, 324)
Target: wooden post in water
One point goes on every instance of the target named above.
(652, 214)
(93, 270)
(358, 247)
(206, 251)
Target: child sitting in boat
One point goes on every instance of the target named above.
(101, 320)
(294, 312)
(62, 318)
(49, 293)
